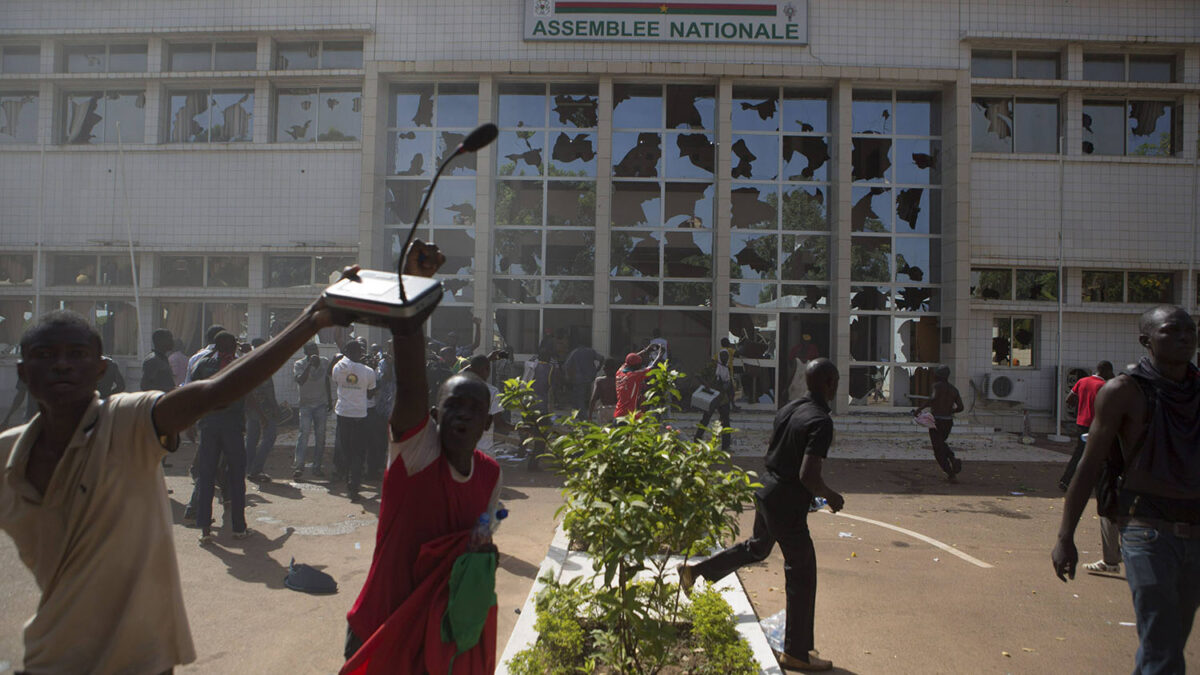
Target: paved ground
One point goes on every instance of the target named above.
(887, 602)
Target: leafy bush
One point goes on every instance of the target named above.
(715, 629)
(636, 492)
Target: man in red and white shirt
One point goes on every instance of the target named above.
(631, 381)
(1083, 397)
(436, 487)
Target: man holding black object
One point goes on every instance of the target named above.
(799, 445)
(1144, 437)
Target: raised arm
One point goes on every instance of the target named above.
(408, 347)
(1112, 404)
(179, 408)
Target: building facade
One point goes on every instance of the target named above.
(1001, 187)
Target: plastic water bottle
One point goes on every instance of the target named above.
(817, 504)
(501, 514)
(481, 535)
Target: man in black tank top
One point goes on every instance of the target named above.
(1147, 425)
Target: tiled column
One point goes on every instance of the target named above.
(601, 314)
(485, 197)
(156, 96)
(722, 247)
(956, 251)
(839, 223)
(262, 111)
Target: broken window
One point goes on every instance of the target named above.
(871, 159)
(20, 59)
(870, 337)
(918, 260)
(636, 204)
(106, 58)
(1152, 287)
(211, 116)
(1033, 128)
(518, 202)
(755, 256)
(754, 207)
(991, 124)
(805, 258)
(690, 106)
(635, 253)
(870, 258)
(633, 292)
(1143, 128)
(756, 109)
(570, 252)
(571, 204)
(517, 291)
(870, 209)
(871, 298)
(520, 153)
(636, 154)
(328, 268)
(1037, 285)
(16, 269)
(991, 284)
(16, 316)
(806, 158)
(518, 329)
(871, 112)
(918, 161)
(18, 117)
(919, 210)
(319, 54)
(1101, 286)
(804, 296)
(743, 294)
(452, 204)
(804, 209)
(637, 106)
(568, 292)
(1013, 341)
(918, 339)
(104, 117)
(689, 205)
(317, 114)
(518, 252)
(689, 331)
(755, 157)
(574, 106)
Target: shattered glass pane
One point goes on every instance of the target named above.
(574, 105)
(688, 254)
(571, 204)
(870, 337)
(412, 105)
(755, 109)
(804, 296)
(1037, 125)
(918, 114)
(689, 205)
(340, 116)
(637, 106)
(991, 284)
(401, 201)
(634, 292)
(871, 158)
(297, 55)
(918, 299)
(991, 124)
(755, 256)
(231, 116)
(519, 153)
(408, 153)
(189, 117)
(805, 112)
(870, 298)
(518, 202)
(84, 118)
(458, 105)
(918, 259)
(1149, 128)
(692, 156)
(687, 294)
(755, 157)
(128, 109)
(573, 155)
(805, 258)
(295, 115)
(871, 112)
(635, 254)
(1042, 285)
(743, 294)
(754, 206)
(805, 158)
(690, 106)
(518, 252)
(918, 161)
(328, 268)
(517, 291)
(522, 105)
(636, 204)
(918, 340)
(18, 117)
(1103, 128)
(453, 203)
(804, 209)
(870, 210)
(919, 211)
(871, 259)
(570, 253)
(459, 248)
(86, 58)
(447, 143)
(569, 292)
(636, 154)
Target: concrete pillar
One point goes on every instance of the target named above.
(722, 246)
(956, 210)
(485, 197)
(601, 293)
(839, 223)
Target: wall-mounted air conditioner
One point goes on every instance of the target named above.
(1004, 385)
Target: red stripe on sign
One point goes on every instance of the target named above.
(658, 5)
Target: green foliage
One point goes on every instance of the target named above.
(636, 492)
(715, 629)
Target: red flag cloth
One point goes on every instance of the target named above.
(410, 640)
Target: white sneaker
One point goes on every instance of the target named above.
(1101, 566)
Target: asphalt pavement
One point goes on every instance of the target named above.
(893, 594)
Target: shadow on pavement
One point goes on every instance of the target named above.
(514, 565)
(247, 559)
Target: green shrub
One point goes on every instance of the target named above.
(715, 629)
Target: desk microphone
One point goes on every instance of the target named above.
(378, 298)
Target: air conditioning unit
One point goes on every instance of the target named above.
(1006, 386)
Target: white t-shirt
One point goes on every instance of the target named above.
(487, 440)
(352, 381)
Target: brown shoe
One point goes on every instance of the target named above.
(812, 663)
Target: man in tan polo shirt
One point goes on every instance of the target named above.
(82, 496)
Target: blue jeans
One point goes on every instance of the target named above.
(256, 453)
(221, 438)
(311, 419)
(1163, 571)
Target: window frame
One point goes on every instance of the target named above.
(1172, 276)
(108, 45)
(63, 129)
(1013, 101)
(35, 47)
(276, 56)
(1014, 58)
(212, 56)
(1034, 352)
(35, 97)
(1175, 126)
(167, 114)
(316, 89)
(1128, 57)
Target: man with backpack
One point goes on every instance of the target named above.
(1142, 449)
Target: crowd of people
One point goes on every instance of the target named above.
(85, 502)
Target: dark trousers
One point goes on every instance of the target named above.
(377, 445)
(941, 451)
(353, 438)
(786, 524)
(723, 411)
(353, 643)
(1069, 472)
(221, 438)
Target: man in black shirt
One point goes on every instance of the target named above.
(800, 442)
(156, 370)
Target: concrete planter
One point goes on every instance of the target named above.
(563, 565)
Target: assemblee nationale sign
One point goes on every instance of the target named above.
(763, 23)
